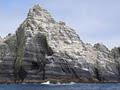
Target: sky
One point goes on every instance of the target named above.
(94, 20)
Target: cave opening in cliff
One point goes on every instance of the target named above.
(22, 73)
(35, 65)
(97, 73)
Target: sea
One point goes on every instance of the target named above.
(73, 86)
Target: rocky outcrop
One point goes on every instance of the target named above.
(7, 58)
(1, 39)
(115, 52)
(43, 49)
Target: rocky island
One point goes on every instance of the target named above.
(43, 49)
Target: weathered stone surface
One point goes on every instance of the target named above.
(45, 49)
(4, 71)
(1, 39)
(115, 52)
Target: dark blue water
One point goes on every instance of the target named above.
(110, 86)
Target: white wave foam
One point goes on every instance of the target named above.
(47, 83)
(58, 83)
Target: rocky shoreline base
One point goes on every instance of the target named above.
(53, 81)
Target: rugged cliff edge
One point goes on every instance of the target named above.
(43, 49)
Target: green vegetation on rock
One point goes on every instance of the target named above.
(18, 67)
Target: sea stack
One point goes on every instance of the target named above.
(44, 49)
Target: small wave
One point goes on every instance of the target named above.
(58, 83)
(71, 83)
(47, 83)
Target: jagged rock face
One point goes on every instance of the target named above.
(70, 55)
(101, 48)
(60, 37)
(7, 57)
(105, 63)
(116, 52)
(45, 49)
(55, 41)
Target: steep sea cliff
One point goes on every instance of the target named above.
(43, 49)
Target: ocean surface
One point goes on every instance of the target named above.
(81, 86)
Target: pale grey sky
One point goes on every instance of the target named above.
(94, 20)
